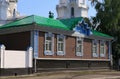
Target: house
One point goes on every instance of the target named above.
(63, 43)
(57, 43)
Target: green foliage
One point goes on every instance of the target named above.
(108, 12)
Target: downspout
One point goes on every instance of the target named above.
(110, 52)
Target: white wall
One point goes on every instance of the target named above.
(16, 59)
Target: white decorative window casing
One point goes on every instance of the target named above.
(60, 45)
(102, 48)
(49, 44)
(95, 48)
(79, 46)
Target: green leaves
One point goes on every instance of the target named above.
(108, 12)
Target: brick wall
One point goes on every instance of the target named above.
(70, 48)
(87, 52)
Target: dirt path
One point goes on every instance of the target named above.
(71, 75)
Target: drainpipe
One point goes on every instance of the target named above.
(110, 52)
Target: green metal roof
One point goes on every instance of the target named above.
(71, 22)
(40, 21)
(64, 24)
(96, 33)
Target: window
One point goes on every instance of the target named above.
(60, 45)
(49, 44)
(102, 49)
(72, 1)
(72, 12)
(79, 47)
(95, 48)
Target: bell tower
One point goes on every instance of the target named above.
(8, 10)
(3, 9)
(72, 8)
(12, 8)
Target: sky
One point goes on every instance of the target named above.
(42, 7)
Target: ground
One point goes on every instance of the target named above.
(71, 74)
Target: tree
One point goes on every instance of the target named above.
(108, 12)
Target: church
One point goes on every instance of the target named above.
(67, 42)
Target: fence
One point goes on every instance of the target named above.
(15, 59)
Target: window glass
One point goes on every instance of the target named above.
(49, 43)
(60, 45)
(72, 12)
(95, 48)
(102, 48)
(79, 47)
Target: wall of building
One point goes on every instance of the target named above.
(44, 65)
(19, 41)
(70, 48)
(70, 60)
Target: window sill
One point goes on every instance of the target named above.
(79, 54)
(60, 53)
(48, 53)
(102, 55)
(95, 55)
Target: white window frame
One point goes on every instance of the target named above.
(77, 45)
(49, 52)
(102, 48)
(61, 52)
(95, 53)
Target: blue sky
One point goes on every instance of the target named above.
(42, 7)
